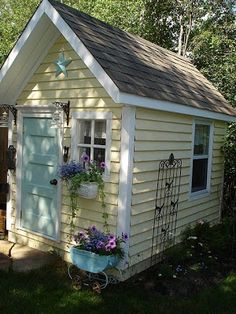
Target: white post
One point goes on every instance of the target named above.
(126, 176)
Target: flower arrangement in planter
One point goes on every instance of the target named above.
(83, 179)
(78, 176)
(96, 251)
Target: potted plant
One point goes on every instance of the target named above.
(83, 179)
(92, 179)
(95, 251)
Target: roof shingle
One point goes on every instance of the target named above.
(142, 68)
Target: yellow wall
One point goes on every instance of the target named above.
(157, 135)
(85, 94)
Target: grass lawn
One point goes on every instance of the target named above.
(49, 290)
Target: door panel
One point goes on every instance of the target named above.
(39, 200)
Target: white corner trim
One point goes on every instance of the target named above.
(9, 209)
(82, 51)
(126, 175)
(163, 105)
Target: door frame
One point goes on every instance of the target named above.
(34, 112)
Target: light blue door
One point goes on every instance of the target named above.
(39, 197)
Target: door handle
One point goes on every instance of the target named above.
(53, 182)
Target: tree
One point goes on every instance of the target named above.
(14, 16)
(124, 14)
(170, 23)
(213, 48)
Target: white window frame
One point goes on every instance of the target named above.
(93, 116)
(206, 191)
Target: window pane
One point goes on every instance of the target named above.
(199, 178)
(100, 133)
(84, 132)
(201, 139)
(99, 154)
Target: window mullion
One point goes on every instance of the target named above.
(92, 139)
(195, 157)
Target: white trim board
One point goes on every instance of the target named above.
(126, 176)
(163, 105)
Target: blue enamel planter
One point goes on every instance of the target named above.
(92, 262)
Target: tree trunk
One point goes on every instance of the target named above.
(180, 35)
(188, 33)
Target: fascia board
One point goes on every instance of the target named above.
(162, 105)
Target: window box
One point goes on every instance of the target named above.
(88, 190)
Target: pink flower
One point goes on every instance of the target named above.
(112, 244)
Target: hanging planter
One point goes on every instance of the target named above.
(88, 190)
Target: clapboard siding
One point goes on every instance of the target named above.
(157, 135)
(85, 94)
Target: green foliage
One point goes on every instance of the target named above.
(229, 150)
(125, 14)
(202, 250)
(213, 52)
(223, 238)
(13, 15)
(157, 22)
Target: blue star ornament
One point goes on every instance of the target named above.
(61, 64)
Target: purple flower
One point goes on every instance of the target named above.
(81, 234)
(112, 237)
(125, 236)
(100, 245)
(102, 165)
(100, 242)
(85, 157)
(66, 171)
(93, 228)
(108, 248)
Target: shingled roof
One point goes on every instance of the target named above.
(132, 70)
(142, 68)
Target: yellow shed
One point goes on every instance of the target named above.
(138, 104)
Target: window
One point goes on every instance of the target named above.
(201, 158)
(91, 134)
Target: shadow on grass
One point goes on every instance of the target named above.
(48, 290)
